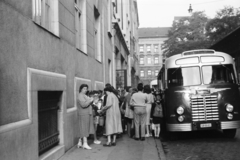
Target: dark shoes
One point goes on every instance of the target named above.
(108, 144)
(137, 139)
(143, 139)
(113, 143)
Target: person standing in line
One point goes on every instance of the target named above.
(150, 101)
(157, 116)
(96, 106)
(138, 101)
(128, 114)
(113, 123)
(85, 116)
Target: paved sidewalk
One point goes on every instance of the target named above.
(126, 149)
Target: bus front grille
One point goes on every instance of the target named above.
(204, 108)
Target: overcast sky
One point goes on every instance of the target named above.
(160, 13)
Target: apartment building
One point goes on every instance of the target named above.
(48, 49)
(150, 54)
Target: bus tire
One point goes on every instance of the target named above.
(229, 133)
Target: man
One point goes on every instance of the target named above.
(138, 101)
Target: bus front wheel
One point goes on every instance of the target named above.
(229, 133)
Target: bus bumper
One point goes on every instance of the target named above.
(188, 126)
(179, 127)
(230, 124)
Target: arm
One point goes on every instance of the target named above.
(83, 102)
(108, 104)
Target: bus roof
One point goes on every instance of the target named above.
(198, 57)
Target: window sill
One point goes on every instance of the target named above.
(55, 35)
(82, 51)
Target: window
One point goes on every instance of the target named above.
(156, 72)
(141, 73)
(156, 48)
(141, 60)
(148, 48)
(183, 76)
(149, 60)
(97, 37)
(141, 48)
(80, 22)
(149, 72)
(156, 60)
(218, 74)
(45, 14)
(109, 15)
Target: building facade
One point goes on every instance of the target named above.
(150, 54)
(48, 49)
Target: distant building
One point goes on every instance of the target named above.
(150, 52)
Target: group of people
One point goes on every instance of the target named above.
(112, 112)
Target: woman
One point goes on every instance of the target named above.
(113, 123)
(128, 111)
(85, 116)
(150, 101)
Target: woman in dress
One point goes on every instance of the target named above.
(85, 116)
(150, 101)
(113, 123)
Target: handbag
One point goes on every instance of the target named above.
(158, 111)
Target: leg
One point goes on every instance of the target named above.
(96, 141)
(85, 144)
(143, 124)
(79, 145)
(147, 130)
(136, 122)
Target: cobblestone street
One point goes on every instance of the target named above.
(208, 145)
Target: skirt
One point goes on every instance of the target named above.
(86, 125)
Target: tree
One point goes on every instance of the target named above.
(225, 21)
(187, 33)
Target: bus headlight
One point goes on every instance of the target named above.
(180, 118)
(180, 110)
(230, 116)
(229, 107)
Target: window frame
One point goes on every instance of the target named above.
(45, 13)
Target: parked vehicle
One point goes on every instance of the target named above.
(200, 92)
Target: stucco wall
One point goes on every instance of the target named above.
(23, 45)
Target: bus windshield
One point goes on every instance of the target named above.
(216, 74)
(183, 76)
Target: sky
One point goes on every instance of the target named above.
(160, 13)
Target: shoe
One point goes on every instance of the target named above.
(137, 139)
(147, 135)
(97, 142)
(85, 146)
(114, 144)
(143, 139)
(79, 145)
(108, 144)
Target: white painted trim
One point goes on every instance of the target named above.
(28, 121)
(15, 125)
(69, 110)
(98, 83)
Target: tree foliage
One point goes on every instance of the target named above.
(225, 21)
(187, 33)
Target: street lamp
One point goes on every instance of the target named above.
(190, 9)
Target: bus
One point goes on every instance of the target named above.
(200, 92)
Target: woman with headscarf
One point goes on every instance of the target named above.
(113, 123)
(85, 116)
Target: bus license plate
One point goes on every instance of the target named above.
(206, 125)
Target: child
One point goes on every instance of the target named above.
(96, 106)
(157, 116)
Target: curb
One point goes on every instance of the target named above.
(159, 147)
